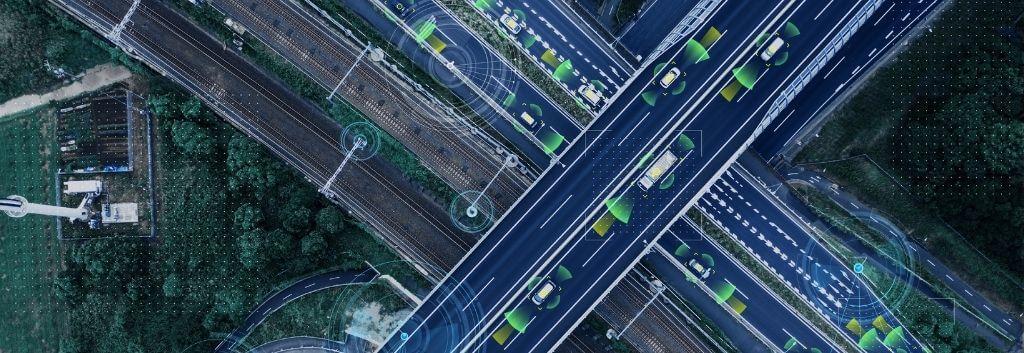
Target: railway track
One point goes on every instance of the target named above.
(316, 155)
(654, 330)
(293, 130)
(446, 146)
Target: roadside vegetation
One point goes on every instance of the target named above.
(342, 112)
(373, 307)
(850, 227)
(935, 140)
(508, 50)
(234, 223)
(770, 280)
(922, 316)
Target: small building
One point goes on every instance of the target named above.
(83, 187)
(120, 213)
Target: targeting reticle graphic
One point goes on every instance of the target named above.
(361, 139)
(435, 30)
(842, 290)
(458, 319)
(472, 211)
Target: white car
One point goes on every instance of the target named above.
(670, 77)
(772, 48)
(590, 94)
(511, 23)
(698, 268)
(544, 291)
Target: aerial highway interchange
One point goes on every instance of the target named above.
(580, 157)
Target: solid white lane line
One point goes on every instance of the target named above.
(605, 241)
(624, 138)
(555, 212)
(471, 300)
(883, 15)
(504, 236)
(823, 9)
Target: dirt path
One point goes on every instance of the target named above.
(95, 78)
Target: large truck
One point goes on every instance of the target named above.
(657, 170)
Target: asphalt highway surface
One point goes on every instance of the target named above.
(733, 289)
(457, 48)
(552, 28)
(655, 20)
(784, 245)
(547, 234)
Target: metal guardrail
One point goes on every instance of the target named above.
(686, 26)
(818, 63)
(450, 65)
(449, 113)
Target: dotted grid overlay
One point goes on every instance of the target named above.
(943, 125)
(935, 140)
(234, 225)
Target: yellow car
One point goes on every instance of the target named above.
(543, 292)
(528, 119)
(670, 77)
(511, 23)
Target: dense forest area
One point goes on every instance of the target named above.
(963, 149)
(937, 137)
(235, 221)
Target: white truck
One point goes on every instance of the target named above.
(657, 170)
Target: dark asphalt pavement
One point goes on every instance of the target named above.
(552, 27)
(1002, 323)
(547, 234)
(730, 291)
(497, 80)
(882, 33)
(296, 290)
(654, 22)
(785, 245)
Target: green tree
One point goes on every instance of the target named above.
(172, 286)
(191, 108)
(252, 248)
(250, 167)
(313, 245)
(67, 286)
(191, 138)
(247, 217)
(280, 244)
(1004, 148)
(295, 218)
(330, 220)
(159, 105)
